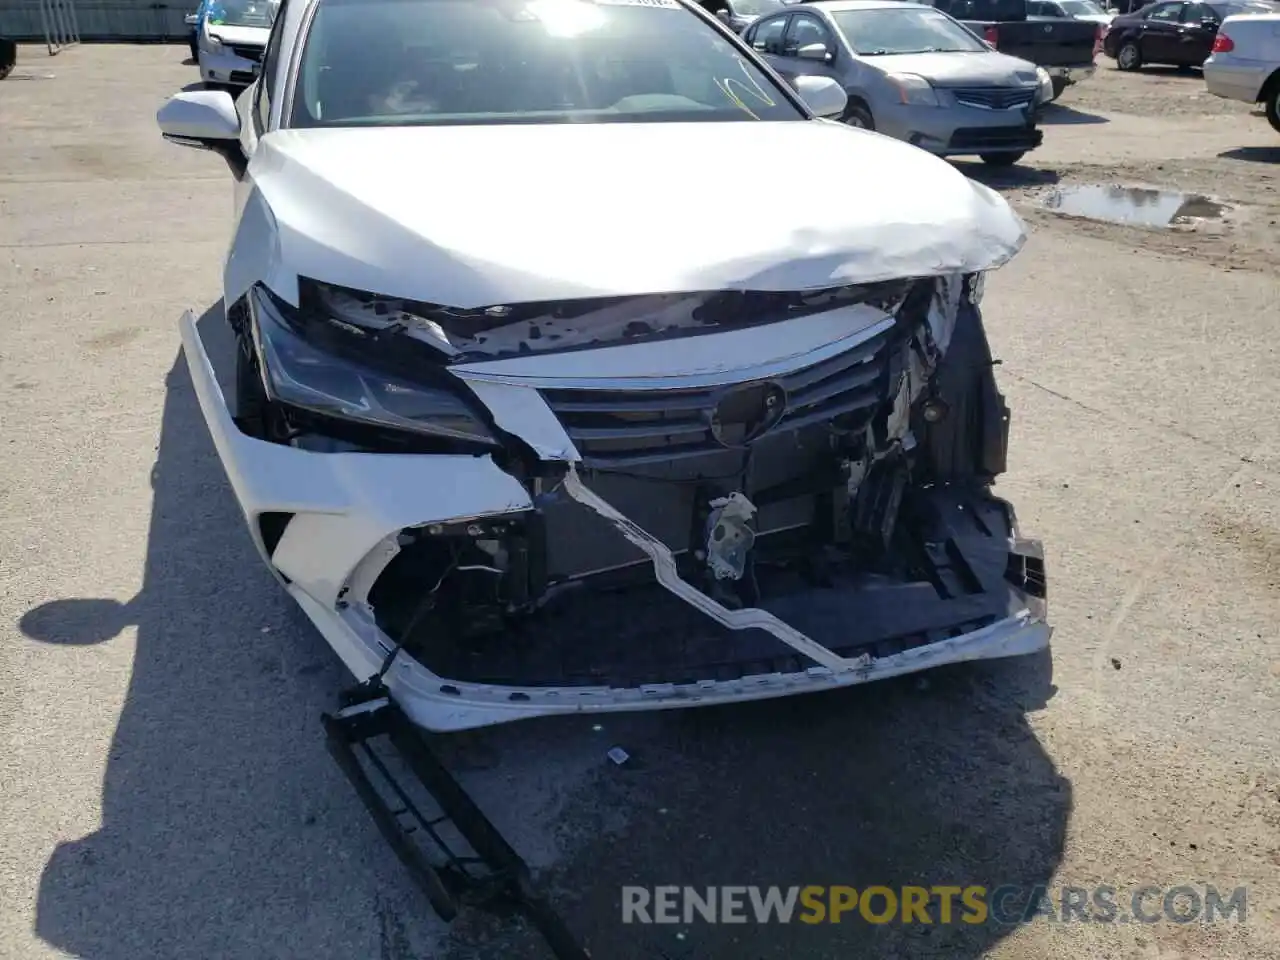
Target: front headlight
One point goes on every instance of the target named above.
(212, 41)
(1044, 92)
(299, 374)
(914, 90)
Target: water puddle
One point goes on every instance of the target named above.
(1138, 206)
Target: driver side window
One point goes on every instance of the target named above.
(806, 30)
(1166, 12)
(766, 36)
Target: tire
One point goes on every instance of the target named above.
(1129, 56)
(1001, 159)
(8, 57)
(1272, 106)
(1059, 84)
(857, 115)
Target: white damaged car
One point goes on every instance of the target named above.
(530, 418)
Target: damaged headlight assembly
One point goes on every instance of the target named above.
(300, 373)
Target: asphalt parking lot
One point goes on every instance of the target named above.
(164, 788)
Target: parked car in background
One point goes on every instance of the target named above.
(1173, 32)
(1245, 62)
(1085, 10)
(8, 57)
(1065, 48)
(192, 20)
(912, 72)
(232, 37)
(739, 14)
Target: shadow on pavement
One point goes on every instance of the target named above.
(227, 831)
(908, 782)
(1007, 178)
(1253, 154)
(1059, 114)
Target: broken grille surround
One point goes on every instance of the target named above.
(916, 338)
(331, 496)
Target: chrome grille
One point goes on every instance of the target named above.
(635, 427)
(994, 98)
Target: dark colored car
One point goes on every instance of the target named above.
(8, 57)
(1173, 32)
(1065, 48)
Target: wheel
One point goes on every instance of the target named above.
(1059, 84)
(1129, 56)
(1272, 106)
(5, 70)
(857, 115)
(1002, 159)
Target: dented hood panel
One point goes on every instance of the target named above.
(470, 216)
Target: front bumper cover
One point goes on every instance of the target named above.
(348, 509)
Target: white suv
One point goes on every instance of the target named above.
(1245, 62)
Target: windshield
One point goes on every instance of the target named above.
(882, 31)
(1080, 8)
(241, 13)
(401, 62)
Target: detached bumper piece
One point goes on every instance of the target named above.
(425, 816)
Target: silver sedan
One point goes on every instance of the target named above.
(911, 72)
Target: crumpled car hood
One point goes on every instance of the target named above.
(470, 216)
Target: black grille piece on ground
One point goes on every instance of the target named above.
(456, 855)
(614, 428)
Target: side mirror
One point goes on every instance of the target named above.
(824, 96)
(814, 51)
(191, 19)
(200, 118)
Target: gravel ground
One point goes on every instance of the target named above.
(1161, 128)
(163, 783)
